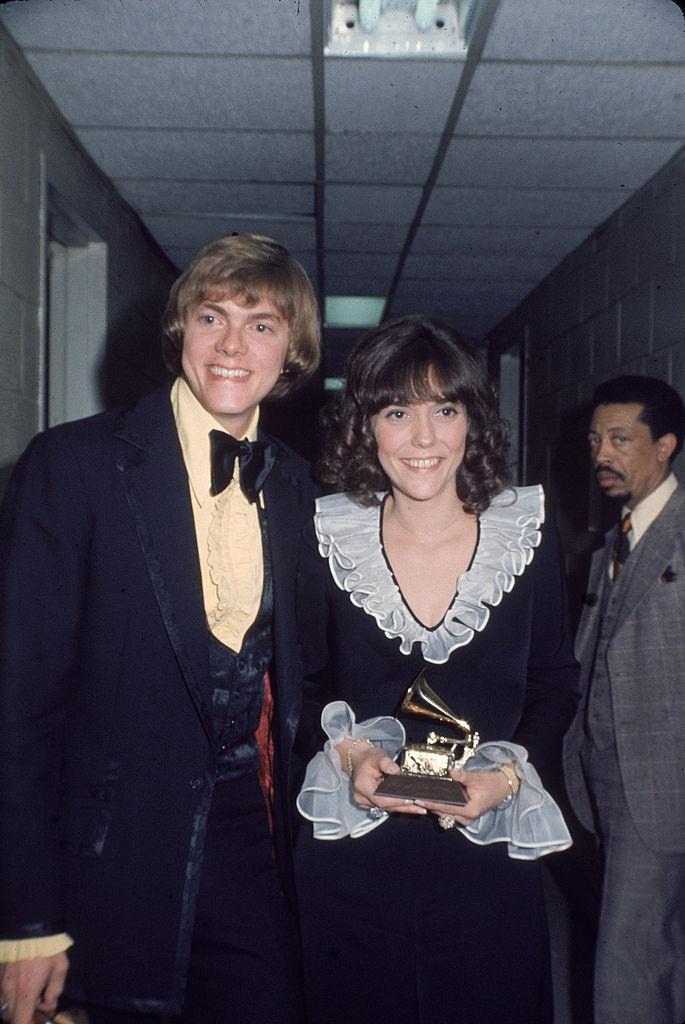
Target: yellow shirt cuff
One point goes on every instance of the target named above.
(12, 950)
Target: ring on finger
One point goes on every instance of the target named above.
(446, 821)
(376, 812)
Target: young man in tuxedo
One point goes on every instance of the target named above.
(624, 754)
(149, 676)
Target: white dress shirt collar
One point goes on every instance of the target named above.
(644, 514)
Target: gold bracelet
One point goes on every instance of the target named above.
(513, 781)
(348, 756)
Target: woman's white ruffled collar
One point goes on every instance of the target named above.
(349, 537)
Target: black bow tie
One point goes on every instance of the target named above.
(255, 461)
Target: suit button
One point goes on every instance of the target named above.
(195, 783)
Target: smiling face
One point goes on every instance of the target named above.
(421, 446)
(232, 356)
(628, 462)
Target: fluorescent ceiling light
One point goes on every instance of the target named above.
(353, 310)
(397, 28)
(425, 12)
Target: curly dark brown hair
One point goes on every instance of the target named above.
(404, 361)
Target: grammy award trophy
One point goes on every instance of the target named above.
(425, 767)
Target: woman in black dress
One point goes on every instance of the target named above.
(427, 561)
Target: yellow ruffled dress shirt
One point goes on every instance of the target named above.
(229, 543)
(229, 538)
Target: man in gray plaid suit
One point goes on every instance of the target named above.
(624, 755)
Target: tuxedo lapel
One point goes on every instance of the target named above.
(284, 498)
(154, 477)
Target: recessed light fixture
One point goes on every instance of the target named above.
(353, 310)
(399, 28)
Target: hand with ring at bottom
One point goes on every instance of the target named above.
(485, 790)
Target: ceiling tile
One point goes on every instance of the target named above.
(553, 163)
(115, 90)
(375, 157)
(194, 232)
(347, 237)
(211, 26)
(183, 257)
(649, 30)
(461, 266)
(522, 207)
(356, 285)
(364, 94)
(308, 260)
(562, 100)
(510, 241)
(217, 197)
(371, 204)
(256, 156)
(371, 267)
(474, 309)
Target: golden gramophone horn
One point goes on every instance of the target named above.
(421, 699)
(425, 767)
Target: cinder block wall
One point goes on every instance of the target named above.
(616, 304)
(36, 151)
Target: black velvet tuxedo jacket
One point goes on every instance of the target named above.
(106, 756)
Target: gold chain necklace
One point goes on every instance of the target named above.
(423, 533)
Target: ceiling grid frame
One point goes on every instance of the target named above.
(467, 218)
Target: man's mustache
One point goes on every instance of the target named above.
(603, 468)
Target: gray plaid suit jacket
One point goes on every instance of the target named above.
(646, 668)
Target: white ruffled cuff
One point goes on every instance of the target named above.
(326, 795)
(531, 824)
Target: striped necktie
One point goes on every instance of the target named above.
(622, 545)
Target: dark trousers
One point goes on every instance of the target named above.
(244, 962)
